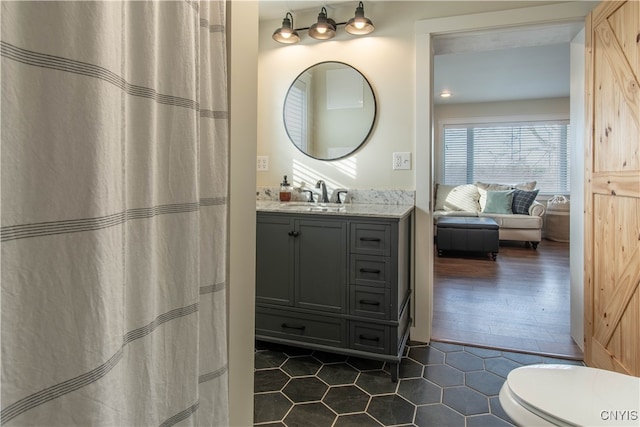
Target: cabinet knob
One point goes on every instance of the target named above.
(294, 233)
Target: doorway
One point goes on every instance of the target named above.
(505, 77)
(425, 31)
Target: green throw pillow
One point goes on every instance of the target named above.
(499, 202)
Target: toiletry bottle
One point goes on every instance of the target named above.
(285, 190)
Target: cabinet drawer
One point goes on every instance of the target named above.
(371, 239)
(301, 327)
(369, 302)
(369, 337)
(369, 271)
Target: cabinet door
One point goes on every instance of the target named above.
(321, 276)
(274, 260)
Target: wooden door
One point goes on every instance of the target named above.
(612, 199)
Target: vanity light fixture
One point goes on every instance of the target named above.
(359, 25)
(324, 28)
(286, 34)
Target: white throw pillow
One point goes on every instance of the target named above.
(457, 198)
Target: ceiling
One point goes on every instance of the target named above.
(505, 64)
(503, 75)
(495, 65)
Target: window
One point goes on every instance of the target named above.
(508, 153)
(296, 114)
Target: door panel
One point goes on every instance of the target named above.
(321, 253)
(274, 260)
(612, 202)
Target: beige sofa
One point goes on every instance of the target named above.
(491, 200)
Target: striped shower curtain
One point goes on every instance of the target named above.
(114, 213)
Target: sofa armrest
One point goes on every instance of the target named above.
(537, 209)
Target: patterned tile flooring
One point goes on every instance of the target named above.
(440, 384)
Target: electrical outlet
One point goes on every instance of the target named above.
(263, 163)
(401, 161)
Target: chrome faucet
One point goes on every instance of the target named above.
(324, 198)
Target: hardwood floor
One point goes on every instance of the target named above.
(520, 302)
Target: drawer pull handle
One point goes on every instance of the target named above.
(369, 270)
(369, 302)
(300, 327)
(369, 338)
(370, 239)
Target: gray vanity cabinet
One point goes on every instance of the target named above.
(334, 283)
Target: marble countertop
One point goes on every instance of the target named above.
(347, 209)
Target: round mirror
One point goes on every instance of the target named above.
(329, 110)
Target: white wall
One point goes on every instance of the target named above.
(576, 219)
(243, 72)
(386, 58)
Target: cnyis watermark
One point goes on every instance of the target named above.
(619, 415)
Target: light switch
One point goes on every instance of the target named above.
(263, 163)
(402, 161)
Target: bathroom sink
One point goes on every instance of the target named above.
(313, 207)
(326, 209)
(293, 205)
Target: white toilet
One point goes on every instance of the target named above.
(567, 395)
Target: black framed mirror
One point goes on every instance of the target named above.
(329, 110)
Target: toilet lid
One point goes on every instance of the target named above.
(577, 395)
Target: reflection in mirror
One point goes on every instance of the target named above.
(329, 110)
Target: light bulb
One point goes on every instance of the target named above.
(359, 25)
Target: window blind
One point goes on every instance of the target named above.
(295, 114)
(509, 153)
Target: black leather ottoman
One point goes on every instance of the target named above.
(467, 234)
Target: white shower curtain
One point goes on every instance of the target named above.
(114, 213)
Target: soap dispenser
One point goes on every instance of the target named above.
(285, 190)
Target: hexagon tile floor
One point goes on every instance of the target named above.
(440, 384)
